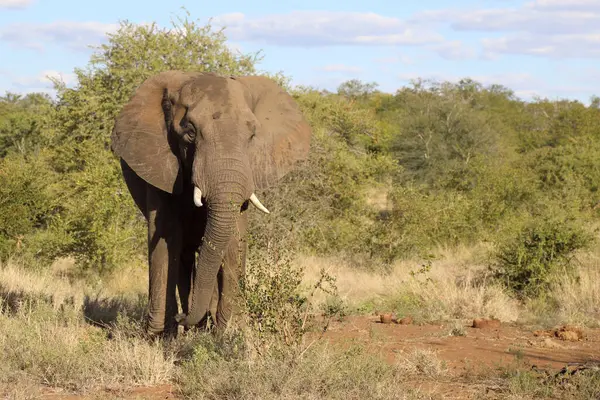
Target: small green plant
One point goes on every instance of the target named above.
(276, 309)
(517, 352)
(334, 307)
(423, 362)
(522, 383)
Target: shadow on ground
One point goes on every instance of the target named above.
(96, 309)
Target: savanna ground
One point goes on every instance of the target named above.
(65, 339)
(441, 204)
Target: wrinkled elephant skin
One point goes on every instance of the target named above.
(194, 149)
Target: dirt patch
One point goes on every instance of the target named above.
(468, 357)
(161, 392)
(476, 349)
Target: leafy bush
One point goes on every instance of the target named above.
(30, 204)
(529, 262)
(323, 204)
(21, 121)
(277, 312)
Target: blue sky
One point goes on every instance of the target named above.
(548, 48)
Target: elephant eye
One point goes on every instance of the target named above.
(188, 129)
(252, 128)
(189, 136)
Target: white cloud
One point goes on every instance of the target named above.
(583, 5)
(15, 4)
(547, 28)
(528, 19)
(74, 35)
(42, 82)
(557, 46)
(322, 28)
(340, 68)
(401, 59)
(454, 50)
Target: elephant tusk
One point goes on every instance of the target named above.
(197, 197)
(258, 204)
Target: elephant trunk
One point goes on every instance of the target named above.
(224, 200)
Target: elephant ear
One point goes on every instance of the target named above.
(140, 135)
(284, 135)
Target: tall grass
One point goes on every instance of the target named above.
(454, 286)
(56, 331)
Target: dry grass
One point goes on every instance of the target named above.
(57, 287)
(48, 340)
(456, 288)
(321, 373)
(577, 298)
(80, 336)
(453, 288)
(18, 284)
(62, 351)
(422, 362)
(48, 334)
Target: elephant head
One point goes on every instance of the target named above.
(226, 136)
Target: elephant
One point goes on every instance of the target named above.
(194, 147)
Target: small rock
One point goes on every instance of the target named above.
(566, 332)
(543, 333)
(481, 323)
(385, 318)
(569, 333)
(551, 344)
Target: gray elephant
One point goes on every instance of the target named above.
(194, 148)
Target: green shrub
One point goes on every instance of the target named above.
(527, 263)
(21, 122)
(271, 293)
(30, 204)
(324, 204)
(106, 228)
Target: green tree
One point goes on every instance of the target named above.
(355, 89)
(98, 220)
(443, 127)
(21, 120)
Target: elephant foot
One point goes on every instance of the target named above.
(166, 334)
(167, 331)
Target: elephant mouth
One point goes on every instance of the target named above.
(253, 199)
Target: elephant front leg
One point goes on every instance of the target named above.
(164, 249)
